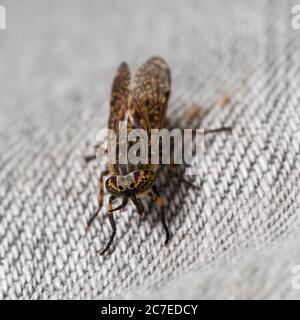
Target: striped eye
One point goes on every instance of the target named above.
(112, 188)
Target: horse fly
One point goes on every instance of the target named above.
(141, 101)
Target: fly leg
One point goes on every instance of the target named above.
(172, 166)
(159, 202)
(92, 157)
(222, 129)
(113, 225)
(206, 131)
(121, 206)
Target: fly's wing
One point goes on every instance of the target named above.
(151, 85)
(119, 95)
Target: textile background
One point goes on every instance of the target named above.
(237, 237)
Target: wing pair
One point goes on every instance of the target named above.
(144, 97)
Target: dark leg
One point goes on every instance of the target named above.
(159, 203)
(113, 225)
(172, 166)
(93, 156)
(90, 158)
(138, 204)
(121, 206)
(226, 129)
(100, 199)
(163, 220)
(206, 131)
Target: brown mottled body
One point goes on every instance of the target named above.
(142, 102)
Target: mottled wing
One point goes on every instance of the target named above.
(151, 85)
(119, 94)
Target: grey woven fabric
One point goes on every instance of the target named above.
(236, 238)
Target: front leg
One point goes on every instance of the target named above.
(121, 206)
(113, 225)
(159, 202)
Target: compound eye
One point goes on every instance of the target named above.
(112, 187)
(132, 185)
(121, 188)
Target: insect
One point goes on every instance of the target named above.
(142, 101)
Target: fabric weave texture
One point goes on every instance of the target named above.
(237, 237)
